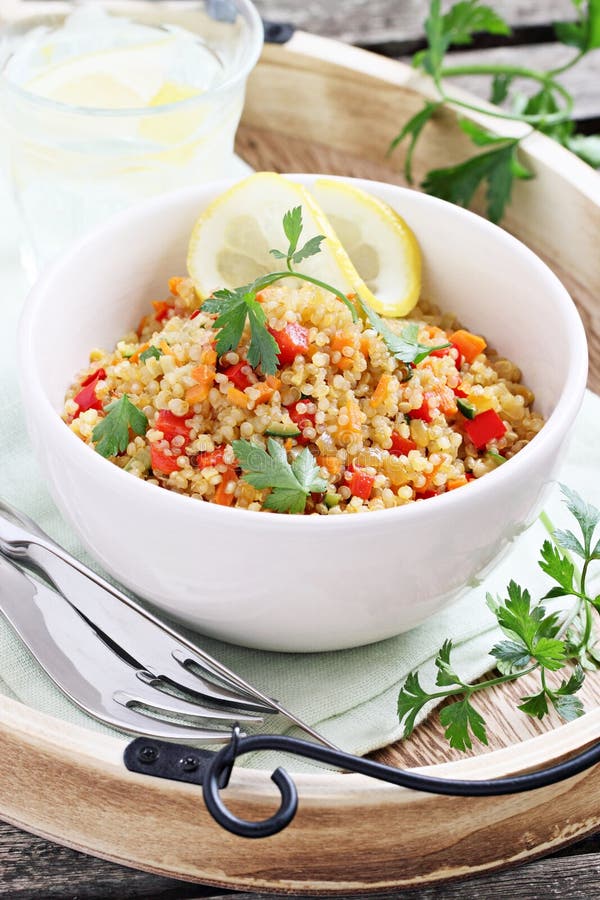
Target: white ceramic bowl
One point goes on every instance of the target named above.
(291, 582)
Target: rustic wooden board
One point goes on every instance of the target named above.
(387, 20)
(356, 102)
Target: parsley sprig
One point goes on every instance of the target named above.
(235, 308)
(404, 346)
(535, 640)
(111, 434)
(290, 484)
(548, 109)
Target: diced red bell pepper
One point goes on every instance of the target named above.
(423, 412)
(237, 376)
(292, 341)
(401, 446)
(172, 425)
(458, 392)
(98, 375)
(86, 398)
(425, 495)
(445, 351)
(161, 462)
(360, 484)
(194, 314)
(485, 427)
(302, 420)
(161, 309)
(210, 458)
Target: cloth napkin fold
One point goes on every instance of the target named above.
(349, 696)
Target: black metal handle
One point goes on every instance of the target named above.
(220, 768)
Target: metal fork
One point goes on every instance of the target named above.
(111, 656)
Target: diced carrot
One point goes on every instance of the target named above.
(341, 340)
(203, 374)
(454, 483)
(352, 427)
(288, 444)
(209, 357)
(332, 463)
(273, 382)
(238, 398)
(345, 363)
(446, 400)
(470, 345)
(174, 284)
(224, 494)
(379, 394)
(166, 349)
(161, 309)
(266, 389)
(135, 356)
(142, 325)
(365, 346)
(197, 393)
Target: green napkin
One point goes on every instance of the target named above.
(349, 696)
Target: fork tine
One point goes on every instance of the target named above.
(148, 690)
(139, 722)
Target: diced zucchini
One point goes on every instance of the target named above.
(468, 411)
(331, 500)
(278, 429)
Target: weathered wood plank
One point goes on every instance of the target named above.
(389, 20)
(31, 868)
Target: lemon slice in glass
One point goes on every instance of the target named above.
(127, 77)
(381, 246)
(230, 242)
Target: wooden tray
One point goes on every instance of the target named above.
(320, 106)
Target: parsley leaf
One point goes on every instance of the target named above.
(414, 127)
(445, 674)
(586, 515)
(496, 167)
(536, 705)
(154, 352)
(290, 484)
(460, 720)
(511, 656)
(404, 346)
(501, 83)
(457, 26)
(292, 226)
(411, 700)
(234, 308)
(557, 566)
(584, 34)
(111, 434)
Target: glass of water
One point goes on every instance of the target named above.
(100, 109)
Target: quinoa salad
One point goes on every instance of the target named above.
(356, 427)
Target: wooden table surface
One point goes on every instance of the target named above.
(34, 869)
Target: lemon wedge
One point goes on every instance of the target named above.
(230, 242)
(381, 246)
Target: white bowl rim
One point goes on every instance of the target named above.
(554, 429)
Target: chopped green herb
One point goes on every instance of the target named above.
(290, 484)
(534, 641)
(154, 352)
(467, 409)
(404, 346)
(111, 434)
(497, 457)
